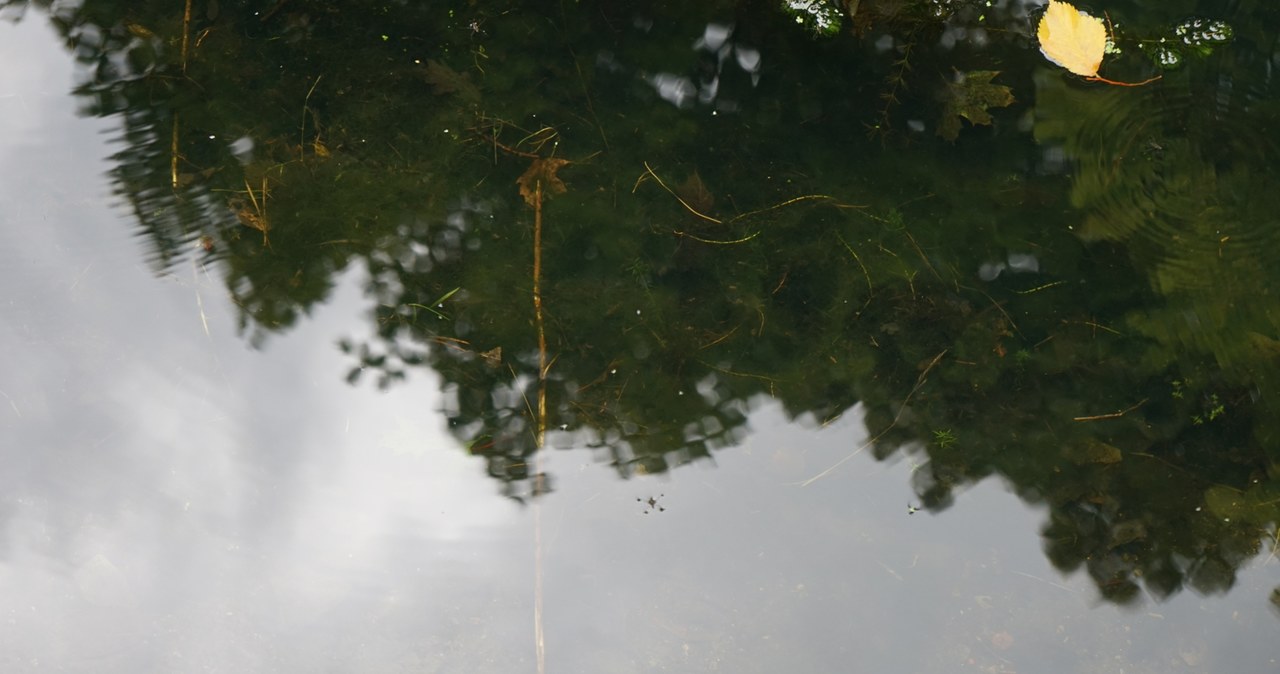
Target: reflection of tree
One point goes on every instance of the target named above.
(308, 141)
(1178, 174)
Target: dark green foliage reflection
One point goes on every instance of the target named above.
(748, 213)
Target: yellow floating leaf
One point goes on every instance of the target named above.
(1072, 39)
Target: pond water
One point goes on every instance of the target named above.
(544, 337)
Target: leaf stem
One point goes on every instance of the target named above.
(1100, 78)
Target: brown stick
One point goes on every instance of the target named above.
(539, 643)
(173, 154)
(186, 34)
(173, 147)
(1113, 415)
(537, 314)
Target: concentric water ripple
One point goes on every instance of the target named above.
(1177, 172)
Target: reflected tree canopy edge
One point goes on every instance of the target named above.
(1073, 288)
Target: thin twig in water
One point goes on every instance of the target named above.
(302, 131)
(997, 306)
(1096, 326)
(739, 374)
(195, 282)
(719, 339)
(1048, 582)
(12, 404)
(920, 252)
(539, 138)
(901, 410)
(1273, 535)
(1037, 289)
(266, 16)
(788, 202)
(591, 110)
(714, 241)
(1113, 415)
(684, 203)
(870, 290)
(807, 197)
(888, 568)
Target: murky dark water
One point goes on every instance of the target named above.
(901, 349)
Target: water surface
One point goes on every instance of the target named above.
(832, 383)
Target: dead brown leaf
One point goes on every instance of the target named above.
(445, 80)
(694, 192)
(541, 171)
